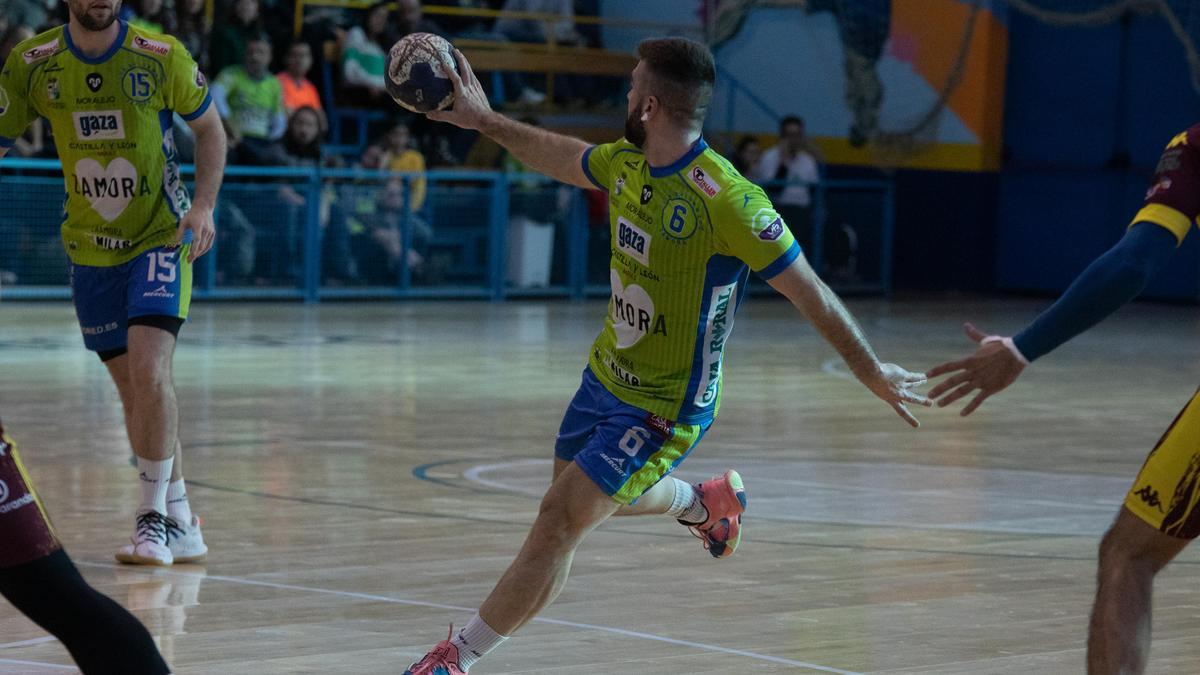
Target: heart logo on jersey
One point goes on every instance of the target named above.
(108, 189)
(94, 82)
(632, 312)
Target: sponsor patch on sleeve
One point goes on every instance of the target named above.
(702, 180)
(153, 46)
(768, 224)
(41, 51)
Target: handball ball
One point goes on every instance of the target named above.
(417, 73)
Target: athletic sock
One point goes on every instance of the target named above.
(686, 505)
(155, 475)
(178, 507)
(475, 641)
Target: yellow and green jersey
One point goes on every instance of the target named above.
(684, 238)
(111, 117)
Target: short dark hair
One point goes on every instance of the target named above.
(789, 120)
(684, 74)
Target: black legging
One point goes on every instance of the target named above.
(101, 636)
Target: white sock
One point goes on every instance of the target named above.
(475, 641)
(687, 505)
(177, 502)
(155, 475)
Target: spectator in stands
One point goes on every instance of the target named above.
(363, 57)
(399, 155)
(747, 156)
(192, 30)
(153, 15)
(531, 30)
(465, 26)
(378, 239)
(30, 13)
(250, 101)
(298, 90)
(16, 33)
(33, 142)
(229, 38)
(793, 161)
(302, 143)
(409, 17)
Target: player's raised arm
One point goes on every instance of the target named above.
(555, 155)
(820, 305)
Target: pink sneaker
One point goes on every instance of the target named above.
(441, 660)
(725, 498)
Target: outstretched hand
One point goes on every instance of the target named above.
(470, 103)
(895, 386)
(990, 370)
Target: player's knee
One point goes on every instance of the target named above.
(149, 376)
(1126, 550)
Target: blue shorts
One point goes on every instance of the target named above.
(623, 448)
(157, 283)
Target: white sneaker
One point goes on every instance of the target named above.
(185, 542)
(149, 542)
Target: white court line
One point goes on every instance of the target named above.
(555, 622)
(475, 475)
(38, 664)
(27, 643)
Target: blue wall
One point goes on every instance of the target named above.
(1087, 112)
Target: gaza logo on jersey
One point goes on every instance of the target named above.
(634, 241)
(718, 325)
(768, 224)
(108, 189)
(41, 51)
(702, 180)
(632, 312)
(99, 125)
(152, 46)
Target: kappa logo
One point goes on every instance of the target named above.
(647, 194)
(702, 180)
(152, 46)
(1150, 496)
(41, 51)
(94, 82)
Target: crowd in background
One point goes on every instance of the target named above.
(274, 90)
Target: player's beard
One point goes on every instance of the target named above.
(635, 128)
(79, 10)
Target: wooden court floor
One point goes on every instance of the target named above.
(366, 472)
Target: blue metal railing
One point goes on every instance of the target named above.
(469, 214)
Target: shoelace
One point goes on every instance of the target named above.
(174, 531)
(153, 525)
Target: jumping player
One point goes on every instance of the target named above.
(38, 578)
(686, 230)
(1160, 515)
(110, 91)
